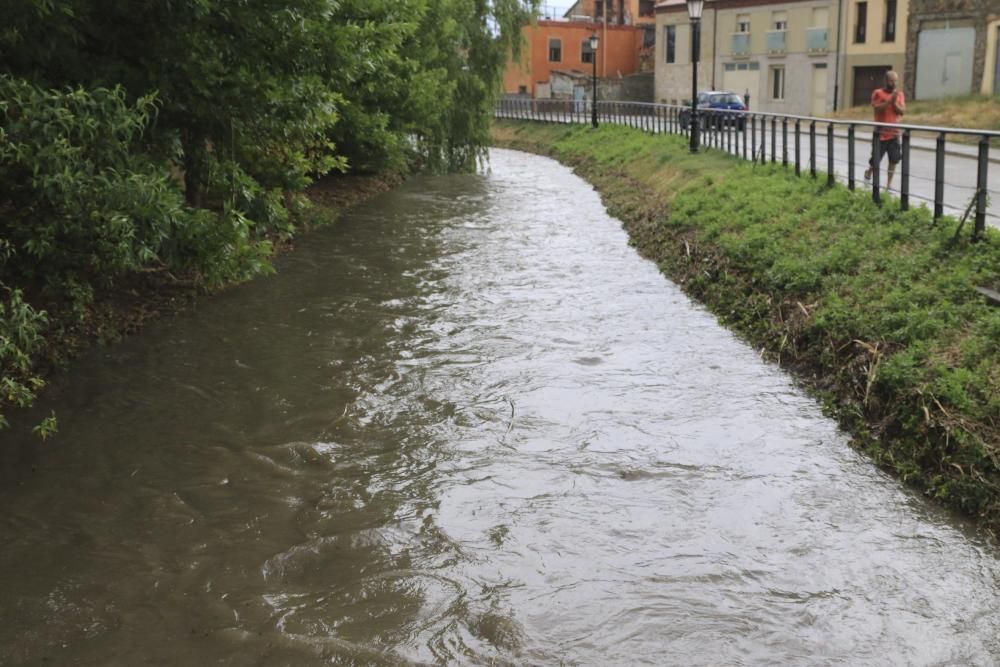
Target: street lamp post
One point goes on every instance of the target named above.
(593, 58)
(694, 13)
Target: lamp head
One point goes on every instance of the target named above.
(594, 42)
(694, 9)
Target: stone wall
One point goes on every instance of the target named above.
(638, 87)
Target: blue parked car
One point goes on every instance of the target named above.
(726, 107)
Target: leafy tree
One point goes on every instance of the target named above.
(177, 136)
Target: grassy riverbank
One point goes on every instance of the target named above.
(873, 307)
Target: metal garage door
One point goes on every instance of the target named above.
(742, 77)
(866, 80)
(944, 61)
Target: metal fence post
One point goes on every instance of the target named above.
(876, 166)
(753, 138)
(939, 176)
(904, 176)
(763, 140)
(774, 139)
(812, 148)
(984, 160)
(784, 142)
(850, 156)
(743, 131)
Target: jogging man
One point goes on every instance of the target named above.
(889, 104)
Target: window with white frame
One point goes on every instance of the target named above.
(586, 53)
(779, 20)
(777, 83)
(742, 23)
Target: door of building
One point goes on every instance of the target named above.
(944, 61)
(996, 66)
(819, 89)
(867, 79)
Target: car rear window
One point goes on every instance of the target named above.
(726, 98)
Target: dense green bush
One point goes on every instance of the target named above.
(176, 138)
(82, 207)
(20, 336)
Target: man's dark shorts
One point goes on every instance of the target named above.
(890, 147)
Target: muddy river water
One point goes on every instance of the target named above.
(467, 425)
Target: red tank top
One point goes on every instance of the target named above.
(888, 114)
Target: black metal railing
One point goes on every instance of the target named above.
(945, 168)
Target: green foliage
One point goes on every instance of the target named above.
(177, 138)
(20, 337)
(83, 208)
(432, 69)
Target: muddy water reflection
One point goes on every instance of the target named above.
(467, 425)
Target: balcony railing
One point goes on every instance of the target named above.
(777, 41)
(817, 40)
(741, 43)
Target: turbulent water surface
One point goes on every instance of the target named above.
(467, 425)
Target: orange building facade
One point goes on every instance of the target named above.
(564, 46)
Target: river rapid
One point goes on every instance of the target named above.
(467, 425)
